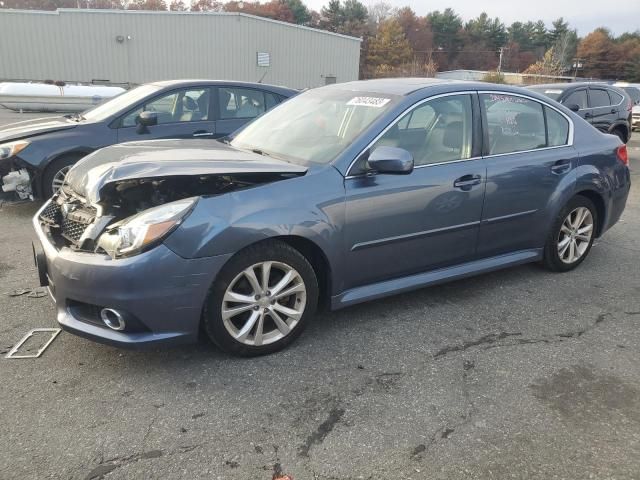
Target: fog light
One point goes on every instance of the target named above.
(112, 319)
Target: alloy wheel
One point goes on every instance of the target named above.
(264, 303)
(58, 178)
(575, 235)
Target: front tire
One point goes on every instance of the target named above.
(55, 174)
(261, 300)
(571, 236)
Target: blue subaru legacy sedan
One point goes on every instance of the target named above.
(343, 194)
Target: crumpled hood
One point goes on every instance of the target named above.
(166, 158)
(37, 126)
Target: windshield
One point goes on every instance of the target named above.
(119, 103)
(552, 93)
(314, 126)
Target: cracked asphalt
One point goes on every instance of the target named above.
(515, 374)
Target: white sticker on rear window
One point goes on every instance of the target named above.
(376, 102)
(557, 92)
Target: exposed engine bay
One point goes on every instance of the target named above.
(71, 221)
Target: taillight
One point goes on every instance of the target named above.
(630, 107)
(623, 156)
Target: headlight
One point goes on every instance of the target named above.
(136, 234)
(12, 148)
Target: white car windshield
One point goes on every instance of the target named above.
(314, 126)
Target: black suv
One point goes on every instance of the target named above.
(605, 107)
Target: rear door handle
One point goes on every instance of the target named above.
(467, 181)
(561, 166)
(613, 110)
(587, 115)
(203, 134)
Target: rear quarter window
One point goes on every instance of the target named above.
(616, 98)
(557, 128)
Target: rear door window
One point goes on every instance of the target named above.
(599, 98)
(577, 98)
(241, 102)
(515, 124)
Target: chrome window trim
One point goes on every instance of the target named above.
(570, 136)
(396, 119)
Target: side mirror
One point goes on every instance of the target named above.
(391, 160)
(573, 107)
(145, 120)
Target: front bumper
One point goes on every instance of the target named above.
(161, 292)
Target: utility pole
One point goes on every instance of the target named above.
(577, 63)
(500, 61)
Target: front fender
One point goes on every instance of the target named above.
(310, 207)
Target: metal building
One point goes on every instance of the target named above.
(141, 46)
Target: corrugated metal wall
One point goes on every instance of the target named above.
(82, 45)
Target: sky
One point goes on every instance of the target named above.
(585, 15)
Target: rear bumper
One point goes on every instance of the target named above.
(160, 292)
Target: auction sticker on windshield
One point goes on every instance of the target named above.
(368, 101)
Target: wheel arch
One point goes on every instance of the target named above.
(622, 128)
(78, 153)
(598, 201)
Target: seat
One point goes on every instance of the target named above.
(189, 109)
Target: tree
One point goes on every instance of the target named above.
(206, 6)
(390, 46)
(446, 27)
(301, 14)
(147, 5)
(489, 31)
(177, 6)
(547, 66)
(560, 29)
(564, 49)
(275, 9)
(598, 53)
(379, 12)
(416, 29)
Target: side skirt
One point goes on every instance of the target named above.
(420, 280)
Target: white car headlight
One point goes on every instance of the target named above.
(140, 232)
(12, 148)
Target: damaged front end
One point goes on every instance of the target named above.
(133, 215)
(14, 177)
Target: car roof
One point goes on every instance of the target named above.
(201, 82)
(566, 86)
(407, 86)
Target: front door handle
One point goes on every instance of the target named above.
(202, 133)
(467, 181)
(561, 166)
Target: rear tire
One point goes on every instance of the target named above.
(248, 313)
(571, 236)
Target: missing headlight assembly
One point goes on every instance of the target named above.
(133, 215)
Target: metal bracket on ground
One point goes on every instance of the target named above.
(54, 333)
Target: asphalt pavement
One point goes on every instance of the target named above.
(519, 374)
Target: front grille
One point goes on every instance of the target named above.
(67, 222)
(72, 230)
(51, 214)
